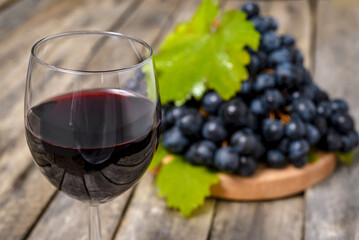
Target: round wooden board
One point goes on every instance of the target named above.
(269, 183)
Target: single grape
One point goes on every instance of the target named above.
(272, 130)
(211, 102)
(263, 82)
(312, 134)
(287, 40)
(270, 41)
(251, 9)
(339, 105)
(295, 129)
(343, 122)
(272, 99)
(257, 107)
(276, 159)
(226, 159)
(190, 123)
(201, 152)
(309, 91)
(298, 148)
(214, 130)
(247, 166)
(279, 56)
(244, 142)
(174, 140)
(272, 23)
(233, 111)
(305, 108)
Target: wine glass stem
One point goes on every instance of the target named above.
(95, 223)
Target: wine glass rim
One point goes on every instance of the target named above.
(78, 71)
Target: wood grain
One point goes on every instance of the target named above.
(66, 218)
(148, 218)
(18, 13)
(280, 220)
(16, 168)
(332, 207)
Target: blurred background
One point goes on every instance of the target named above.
(30, 208)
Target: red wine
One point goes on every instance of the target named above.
(93, 145)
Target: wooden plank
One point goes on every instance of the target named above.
(281, 219)
(6, 3)
(22, 205)
(332, 207)
(145, 23)
(67, 218)
(18, 12)
(148, 218)
(15, 158)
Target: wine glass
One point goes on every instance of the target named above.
(92, 114)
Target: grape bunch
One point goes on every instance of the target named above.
(278, 115)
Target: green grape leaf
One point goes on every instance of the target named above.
(346, 158)
(206, 52)
(159, 155)
(312, 157)
(184, 185)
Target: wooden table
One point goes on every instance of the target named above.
(30, 208)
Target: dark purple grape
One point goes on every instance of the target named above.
(276, 159)
(190, 123)
(270, 41)
(272, 130)
(263, 81)
(244, 143)
(201, 152)
(247, 166)
(287, 40)
(226, 159)
(343, 122)
(251, 9)
(214, 130)
(211, 102)
(272, 99)
(295, 129)
(174, 140)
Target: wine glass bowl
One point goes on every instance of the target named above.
(92, 112)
